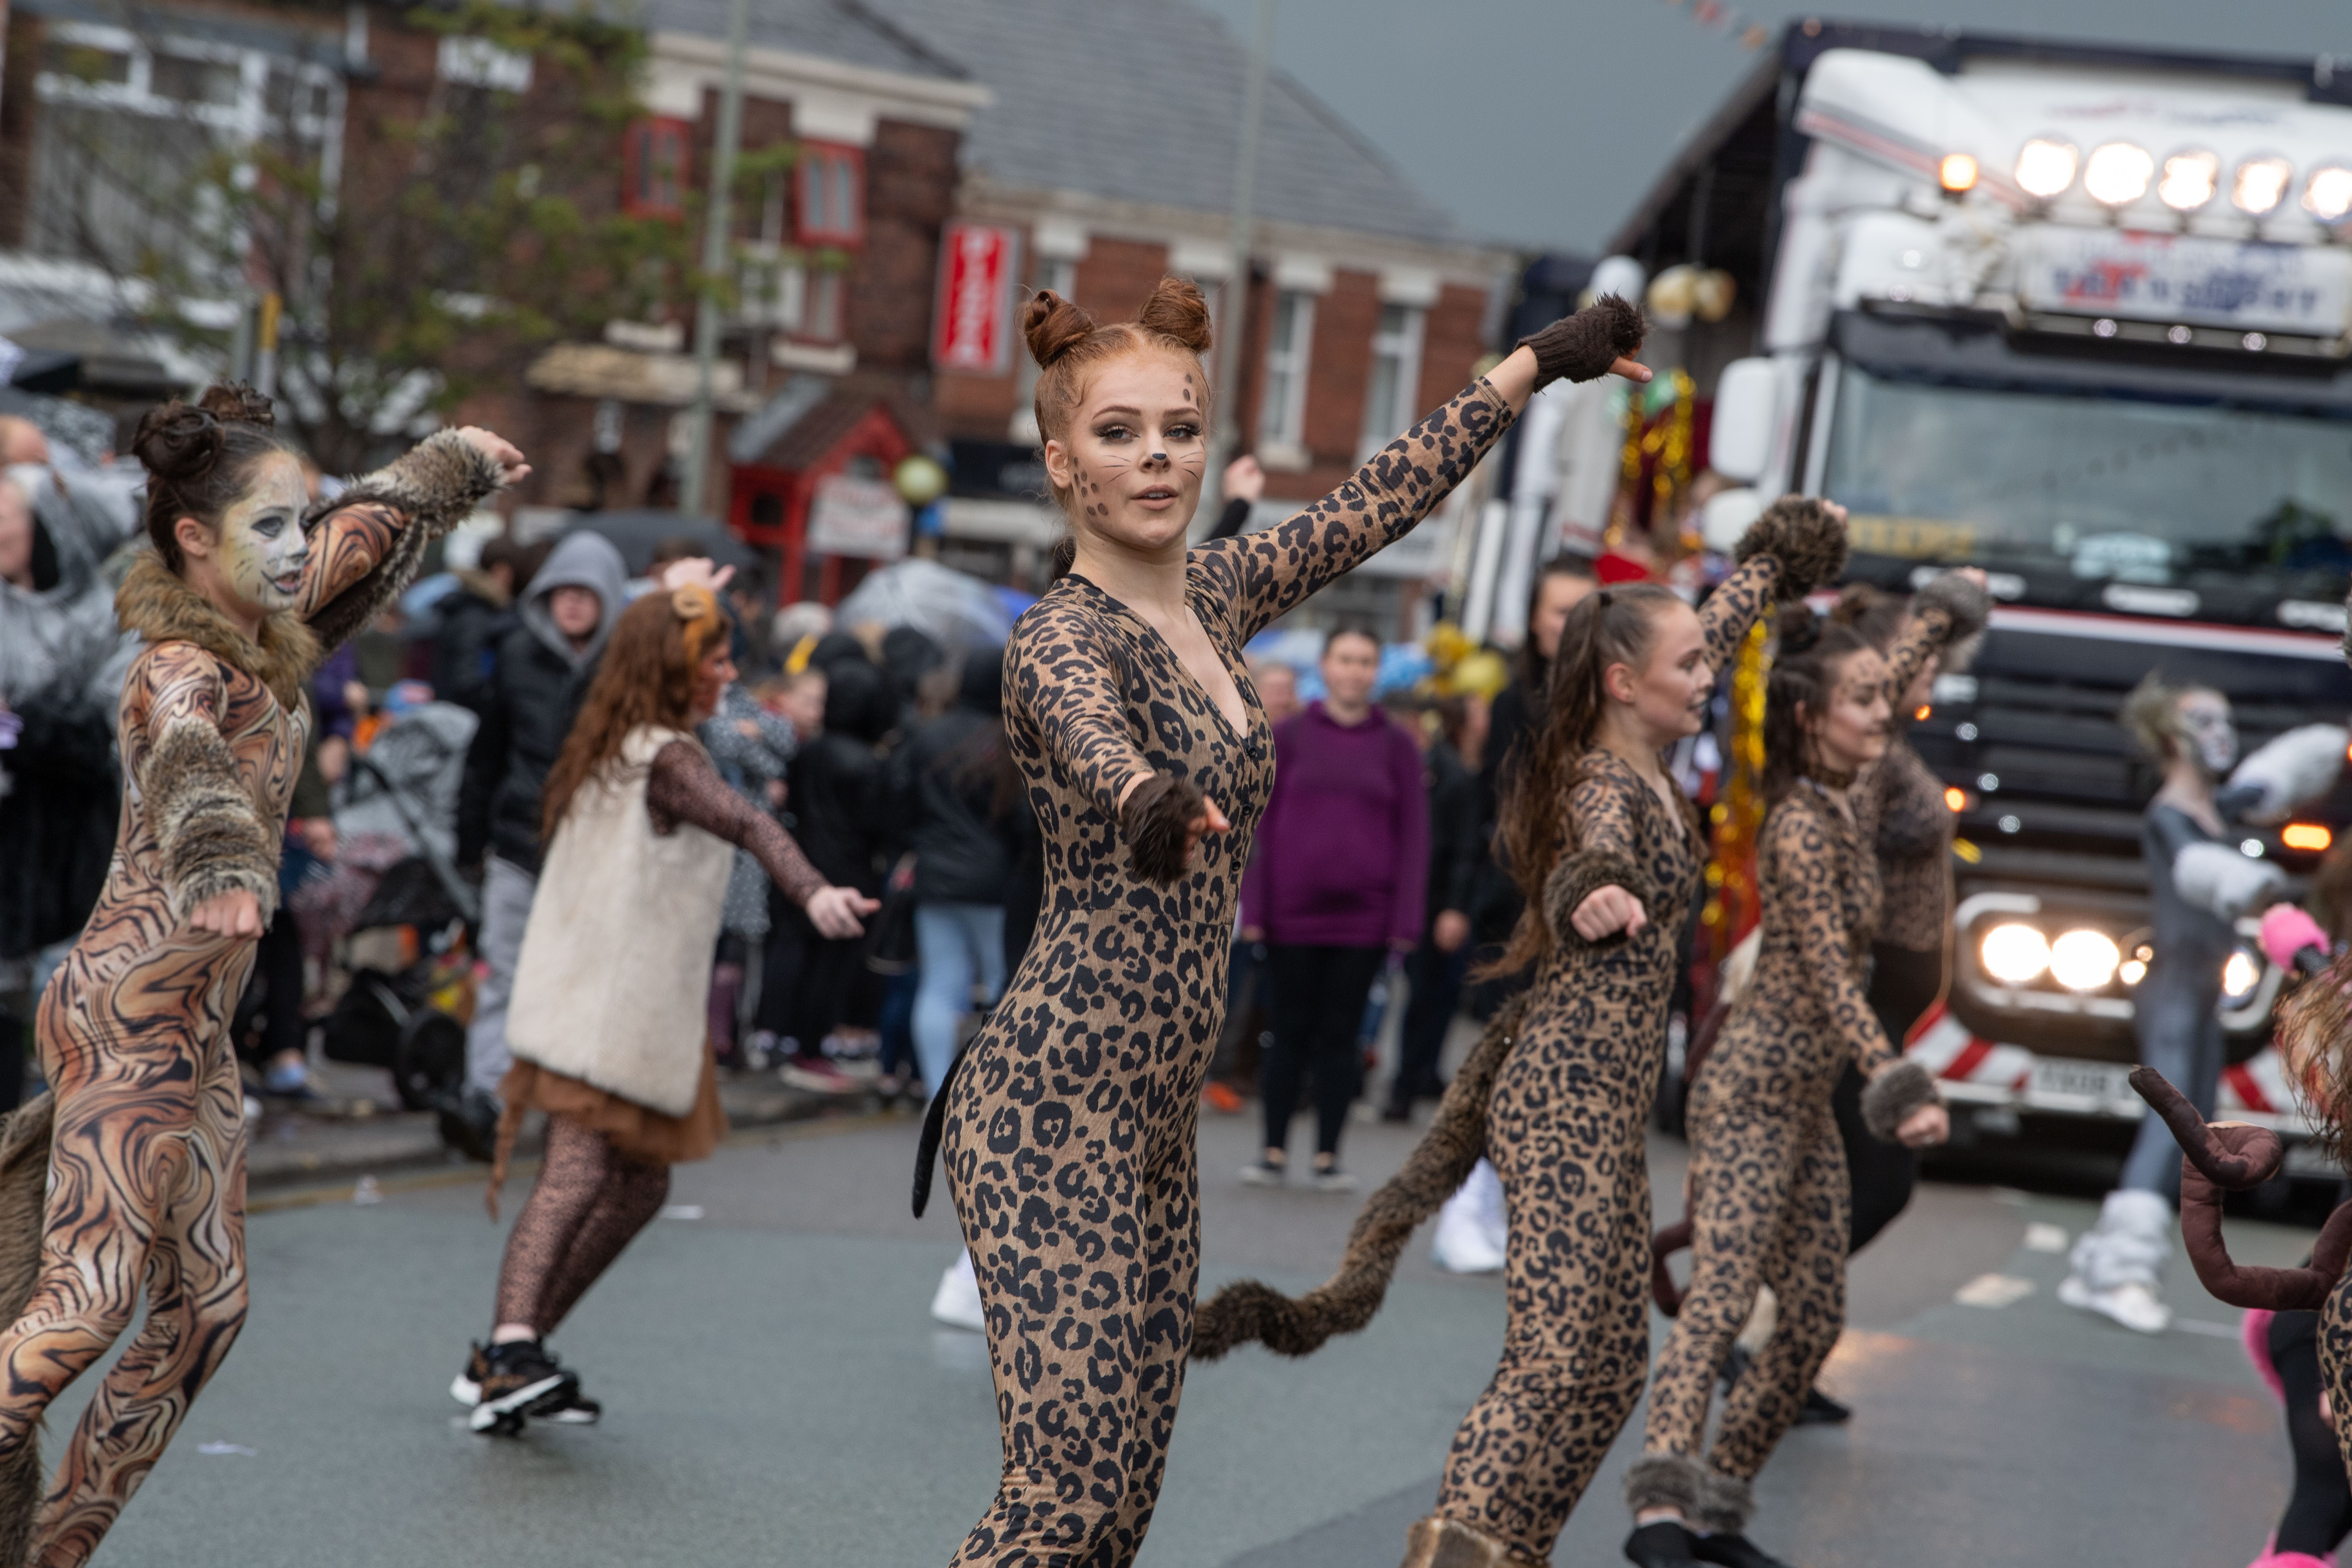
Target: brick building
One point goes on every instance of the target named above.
(1107, 162)
(823, 365)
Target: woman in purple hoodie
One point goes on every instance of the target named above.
(1337, 886)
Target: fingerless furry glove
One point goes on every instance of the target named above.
(1156, 821)
(1583, 346)
(1800, 533)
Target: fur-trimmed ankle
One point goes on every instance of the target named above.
(1156, 821)
(1666, 1481)
(1800, 533)
(1725, 1503)
(1441, 1543)
(1888, 1099)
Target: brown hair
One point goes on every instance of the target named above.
(646, 676)
(198, 457)
(1873, 612)
(1607, 625)
(1065, 340)
(1805, 676)
(2151, 713)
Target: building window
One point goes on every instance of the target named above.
(1282, 419)
(1390, 389)
(1060, 274)
(832, 194)
(654, 168)
(774, 289)
(827, 293)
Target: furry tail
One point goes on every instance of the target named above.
(1247, 1309)
(24, 1198)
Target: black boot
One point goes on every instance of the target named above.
(1664, 1544)
(1820, 1410)
(1735, 1551)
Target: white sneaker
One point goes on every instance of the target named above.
(1472, 1230)
(956, 1303)
(2134, 1303)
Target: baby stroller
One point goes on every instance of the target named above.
(397, 914)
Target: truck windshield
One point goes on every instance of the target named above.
(2094, 486)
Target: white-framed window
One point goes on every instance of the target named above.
(828, 303)
(129, 122)
(1060, 274)
(1282, 416)
(1392, 387)
(774, 289)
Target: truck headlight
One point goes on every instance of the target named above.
(2191, 180)
(2045, 166)
(2117, 175)
(2014, 955)
(2260, 185)
(2328, 195)
(2240, 975)
(2084, 959)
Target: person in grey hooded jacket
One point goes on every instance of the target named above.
(542, 669)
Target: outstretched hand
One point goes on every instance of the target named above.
(693, 572)
(1925, 1128)
(835, 911)
(1211, 820)
(512, 470)
(236, 914)
(1607, 911)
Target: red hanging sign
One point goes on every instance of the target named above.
(971, 327)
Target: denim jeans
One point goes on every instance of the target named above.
(507, 891)
(954, 944)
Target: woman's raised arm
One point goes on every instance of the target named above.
(366, 542)
(1799, 541)
(1266, 574)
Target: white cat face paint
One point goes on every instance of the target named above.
(262, 546)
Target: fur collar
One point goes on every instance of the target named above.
(156, 604)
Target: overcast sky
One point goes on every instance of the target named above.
(1541, 122)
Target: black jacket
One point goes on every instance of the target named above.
(465, 645)
(962, 808)
(1456, 831)
(837, 801)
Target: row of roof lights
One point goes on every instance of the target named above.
(2119, 173)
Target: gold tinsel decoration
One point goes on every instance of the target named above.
(1732, 906)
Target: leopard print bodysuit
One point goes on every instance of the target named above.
(1768, 1193)
(1564, 1127)
(1070, 1138)
(147, 1167)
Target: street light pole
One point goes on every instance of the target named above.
(697, 478)
(1233, 333)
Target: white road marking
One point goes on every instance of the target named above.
(1993, 1290)
(2040, 1237)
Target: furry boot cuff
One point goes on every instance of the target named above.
(1725, 1503)
(1800, 533)
(1666, 1481)
(1440, 1542)
(1890, 1098)
(1583, 346)
(1155, 822)
(1963, 602)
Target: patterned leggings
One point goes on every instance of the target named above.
(1768, 1206)
(1084, 1229)
(589, 1203)
(146, 1190)
(1576, 1181)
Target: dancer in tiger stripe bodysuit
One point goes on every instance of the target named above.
(237, 602)
(1558, 1093)
(1768, 1199)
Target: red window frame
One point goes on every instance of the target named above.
(829, 194)
(650, 140)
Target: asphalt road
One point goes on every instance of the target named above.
(776, 1393)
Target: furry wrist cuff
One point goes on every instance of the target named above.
(1798, 533)
(1578, 877)
(1963, 602)
(1888, 1099)
(437, 483)
(1155, 822)
(1583, 346)
(212, 839)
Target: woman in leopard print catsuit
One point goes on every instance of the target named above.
(1609, 852)
(239, 600)
(1069, 1124)
(1768, 1174)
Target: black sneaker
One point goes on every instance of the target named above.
(1735, 1551)
(1664, 1544)
(519, 1379)
(469, 1124)
(465, 1388)
(1820, 1410)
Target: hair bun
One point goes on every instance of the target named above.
(179, 441)
(1857, 602)
(1798, 629)
(235, 402)
(1054, 326)
(1176, 311)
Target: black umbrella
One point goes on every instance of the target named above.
(639, 531)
